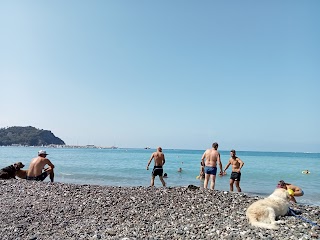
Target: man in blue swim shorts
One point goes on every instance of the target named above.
(159, 161)
(212, 157)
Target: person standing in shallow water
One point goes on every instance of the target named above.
(159, 161)
(237, 164)
(212, 157)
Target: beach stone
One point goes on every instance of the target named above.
(69, 211)
(111, 232)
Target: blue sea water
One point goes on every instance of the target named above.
(127, 167)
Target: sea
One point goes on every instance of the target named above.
(127, 167)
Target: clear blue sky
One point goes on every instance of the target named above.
(179, 74)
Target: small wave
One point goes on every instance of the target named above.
(67, 174)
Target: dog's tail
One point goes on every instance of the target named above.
(256, 223)
(262, 219)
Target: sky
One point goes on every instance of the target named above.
(178, 74)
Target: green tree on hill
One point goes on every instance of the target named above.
(29, 136)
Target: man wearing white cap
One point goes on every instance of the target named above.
(37, 165)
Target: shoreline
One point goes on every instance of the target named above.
(91, 146)
(43, 210)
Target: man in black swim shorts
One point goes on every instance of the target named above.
(236, 176)
(157, 171)
(37, 170)
(237, 164)
(159, 161)
(41, 177)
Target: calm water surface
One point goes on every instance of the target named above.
(127, 167)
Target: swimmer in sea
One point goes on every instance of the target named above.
(201, 174)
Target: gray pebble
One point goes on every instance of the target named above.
(38, 210)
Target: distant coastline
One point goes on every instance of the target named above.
(29, 136)
(64, 146)
(148, 148)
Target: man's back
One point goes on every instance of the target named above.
(211, 156)
(36, 166)
(158, 158)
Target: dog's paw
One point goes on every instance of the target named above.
(273, 226)
(280, 221)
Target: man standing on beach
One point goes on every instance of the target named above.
(212, 157)
(237, 164)
(37, 165)
(159, 161)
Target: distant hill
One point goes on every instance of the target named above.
(29, 136)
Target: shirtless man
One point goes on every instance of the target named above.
(237, 164)
(159, 161)
(295, 191)
(37, 165)
(212, 156)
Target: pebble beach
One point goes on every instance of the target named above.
(43, 210)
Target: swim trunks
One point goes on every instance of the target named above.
(41, 177)
(157, 171)
(235, 176)
(210, 170)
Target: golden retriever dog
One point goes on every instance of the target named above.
(263, 212)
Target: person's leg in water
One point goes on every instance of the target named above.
(206, 180)
(213, 181)
(238, 185)
(152, 181)
(231, 185)
(163, 182)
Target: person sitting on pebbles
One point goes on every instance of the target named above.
(37, 165)
(11, 171)
(294, 191)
